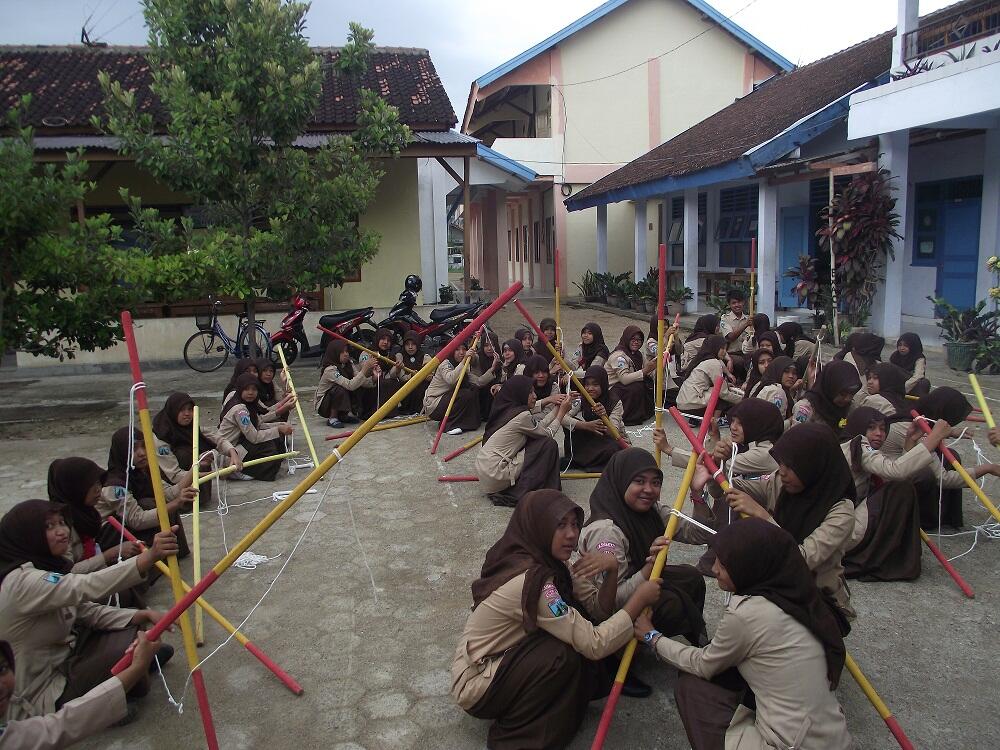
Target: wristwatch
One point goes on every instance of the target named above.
(651, 636)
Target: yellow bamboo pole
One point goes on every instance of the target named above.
(580, 475)
(983, 406)
(253, 462)
(298, 410)
(359, 347)
(379, 427)
(199, 616)
(454, 395)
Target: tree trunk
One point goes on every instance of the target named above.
(251, 350)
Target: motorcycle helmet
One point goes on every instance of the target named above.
(413, 283)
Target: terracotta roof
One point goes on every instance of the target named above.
(65, 92)
(755, 118)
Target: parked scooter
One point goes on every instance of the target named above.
(444, 323)
(291, 335)
(355, 325)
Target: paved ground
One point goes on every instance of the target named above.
(368, 612)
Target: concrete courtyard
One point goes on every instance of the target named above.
(367, 614)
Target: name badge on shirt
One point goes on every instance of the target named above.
(556, 604)
(53, 577)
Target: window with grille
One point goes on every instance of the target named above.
(536, 228)
(737, 225)
(676, 234)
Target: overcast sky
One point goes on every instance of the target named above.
(467, 38)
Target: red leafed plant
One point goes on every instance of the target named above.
(861, 224)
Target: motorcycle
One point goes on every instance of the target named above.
(355, 325)
(444, 322)
(291, 334)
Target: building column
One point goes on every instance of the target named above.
(888, 304)
(433, 219)
(989, 222)
(907, 20)
(602, 238)
(767, 248)
(640, 241)
(691, 246)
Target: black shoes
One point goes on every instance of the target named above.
(636, 688)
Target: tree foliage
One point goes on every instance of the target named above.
(62, 281)
(239, 84)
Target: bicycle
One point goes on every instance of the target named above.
(209, 348)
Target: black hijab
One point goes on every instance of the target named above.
(837, 376)
(812, 451)
(140, 483)
(791, 332)
(753, 370)
(526, 547)
(857, 426)
(539, 346)
(709, 350)
(772, 337)
(331, 358)
(265, 391)
(892, 386)
(241, 366)
(706, 325)
(908, 361)
(515, 346)
(521, 334)
(180, 438)
(23, 539)
(598, 373)
(69, 481)
(944, 403)
(773, 374)
(760, 323)
(511, 400)
(867, 350)
(764, 560)
(416, 361)
(254, 408)
(761, 420)
(384, 333)
(625, 345)
(597, 348)
(534, 365)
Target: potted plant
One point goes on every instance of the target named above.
(476, 291)
(591, 287)
(611, 291)
(809, 291)
(858, 228)
(677, 299)
(446, 293)
(965, 332)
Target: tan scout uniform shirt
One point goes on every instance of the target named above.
(919, 371)
(577, 356)
(495, 626)
(755, 461)
(776, 395)
(482, 374)
(695, 390)
(895, 445)
(135, 516)
(621, 369)
(75, 555)
(499, 461)
(575, 414)
(785, 666)
(442, 385)
(236, 424)
(331, 375)
(909, 465)
(729, 323)
(824, 548)
(168, 461)
(77, 719)
(604, 536)
(38, 610)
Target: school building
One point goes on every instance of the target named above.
(573, 108)
(921, 100)
(422, 191)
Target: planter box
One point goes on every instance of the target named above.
(592, 298)
(624, 303)
(675, 308)
(960, 354)
(612, 299)
(638, 305)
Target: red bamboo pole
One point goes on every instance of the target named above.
(187, 630)
(281, 674)
(459, 478)
(965, 587)
(451, 402)
(463, 449)
(319, 472)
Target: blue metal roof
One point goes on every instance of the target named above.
(505, 163)
(597, 13)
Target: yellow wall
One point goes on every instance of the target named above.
(126, 174)
(394, 214)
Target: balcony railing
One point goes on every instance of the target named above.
(960, 28)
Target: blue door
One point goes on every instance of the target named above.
(958, 260)
(794, 242)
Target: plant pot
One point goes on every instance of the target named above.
(624, 303)
(960, 354)
(674, 308)
(592, 298)
(612, 299)
(638, 305)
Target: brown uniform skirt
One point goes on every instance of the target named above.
(707, 706)
(94, 654)
(588, 450)
(540, 471)
(539, 696)
(464, 412)
(890, 549)
(336, 403)
(637, 400)
(414, 402)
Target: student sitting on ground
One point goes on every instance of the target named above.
(700, 377)
(339, 381)
(411, 357)
(769, 675)
(592, 350)
(909, 356)
(528, 658)
(519, 453)
(241, 425)
(630, 377)
(464, 416)
(587, 444)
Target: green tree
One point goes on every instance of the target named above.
(239, 84)
(62, 282)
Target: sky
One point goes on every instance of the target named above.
(467, 38)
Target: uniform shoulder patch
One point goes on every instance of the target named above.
(554, 600)
(119, 492)
(608, 547)
(163, 450)
(53, 577)
(622, 362)
(244, 418)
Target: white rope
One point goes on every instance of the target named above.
(699, 524)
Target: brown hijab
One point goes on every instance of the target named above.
(598, 373)
(764, 560)
(69, 481)
(624, 345)
(761, 421)
(511, 400)
(892, 386)
(417, 360)
(526, 547)
(908, 361)
(179, 437)
(944, 403)
(857, 425)
(254, 408)
(240, 368)
(140, 484)
(515, 346)
(265, 391)
(709, 350)
(597, 348)
(331, 358)
(534, 365)
(23, 539)
(837, 376)
(812, 451)
(706, 325)
(539, 346)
